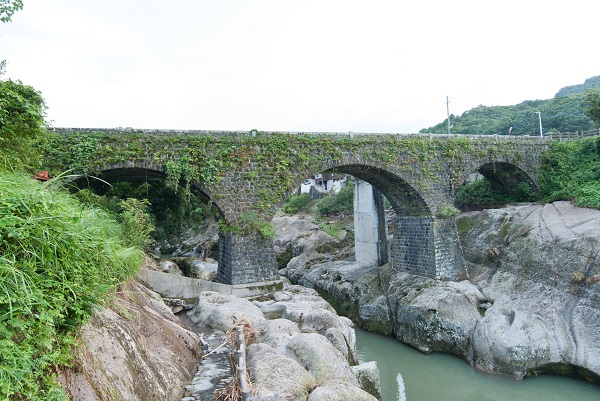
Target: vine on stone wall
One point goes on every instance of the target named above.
(270, 166)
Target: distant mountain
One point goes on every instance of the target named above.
(563, 113)
(590, 83)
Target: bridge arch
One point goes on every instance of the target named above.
(509, 176)
(137, 172)
(404, 198)
(423, 243)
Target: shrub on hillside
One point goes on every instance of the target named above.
(298, 204)
(341, 202)
(22, 112)
(571, 171)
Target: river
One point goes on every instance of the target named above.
(409, 375)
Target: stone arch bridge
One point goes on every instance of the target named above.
(247, 175)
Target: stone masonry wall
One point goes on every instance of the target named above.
(413, 249)
(427, 247)
(245, 259)
(449, 260)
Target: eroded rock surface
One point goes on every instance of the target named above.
(530, 302)
(303, 349)
(134, 349)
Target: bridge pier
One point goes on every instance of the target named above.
(427, 246)
(370, 227)
(245, 259)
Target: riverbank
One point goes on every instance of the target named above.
(410, 375)
(528, 301)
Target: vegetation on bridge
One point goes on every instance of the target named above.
(270, 165)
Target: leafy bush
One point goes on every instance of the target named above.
(297, 204)
(58, 260)
(22, 112)
(171, 212)
(481, 194)
(448, 211)
(341, 202)
(571, 171)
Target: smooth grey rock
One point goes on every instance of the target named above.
(432, 315)
(277, 333)
(221, 312)
(337, 390)
(204, 270)
(168, 266)
(368, 376)
(275, 375)
(320, 358)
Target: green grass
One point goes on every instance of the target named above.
(58, 260)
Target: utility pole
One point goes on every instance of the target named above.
(539, 113)
(448, 113)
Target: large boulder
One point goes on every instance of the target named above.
(277, 376)
(432, 315)
(135, 349)
(530, 304)
(541, 281)
(221, 312)
(355, 290)
(321, 358)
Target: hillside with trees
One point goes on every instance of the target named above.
(565, 112)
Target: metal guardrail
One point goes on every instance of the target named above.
(572, 136)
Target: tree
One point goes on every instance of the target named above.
(592, 105)
(22, 125)
(8, 8)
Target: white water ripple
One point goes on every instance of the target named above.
(401, 389)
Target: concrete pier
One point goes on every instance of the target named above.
(370, 228)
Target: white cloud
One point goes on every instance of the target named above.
(289, 65)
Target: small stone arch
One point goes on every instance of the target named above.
(510, 177)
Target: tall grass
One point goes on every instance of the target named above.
(58, 259)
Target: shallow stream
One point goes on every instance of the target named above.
(409, 375)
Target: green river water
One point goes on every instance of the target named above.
(409, 375)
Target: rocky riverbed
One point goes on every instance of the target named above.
(302, 349)
(528, 301)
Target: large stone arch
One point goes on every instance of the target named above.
(405, 199)
(423, 243)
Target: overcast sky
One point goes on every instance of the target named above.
(294, 65)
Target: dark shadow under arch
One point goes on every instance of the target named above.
(510, 177)
(405, 200)
(117, 174)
